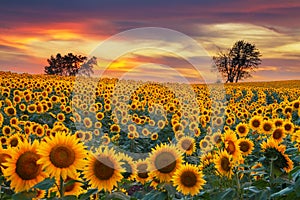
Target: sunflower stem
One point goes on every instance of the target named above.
(61, 187)
(238, 186)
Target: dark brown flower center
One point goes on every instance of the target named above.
(287, 127)
(26, 166)
(165, 162)
(103, 168)
(231, 147)
(242, 129)
(62, 156)
(142, 171)
(70, 186)
(267, 127)
(244, 146)
(187, 145)
(14, 142)
(225, 164)
(256, 123)
(277, 134)
(188, 179)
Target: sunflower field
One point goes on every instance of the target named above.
(88, 138)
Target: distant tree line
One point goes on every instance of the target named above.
(70, 65)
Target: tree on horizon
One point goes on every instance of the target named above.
(238, 62)
(70, 65)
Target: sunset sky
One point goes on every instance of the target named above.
(31, 31)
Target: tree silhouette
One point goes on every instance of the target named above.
(238, 62)
(70, 65)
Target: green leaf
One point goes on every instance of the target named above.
(284, 191)
(155, 195)
(45, 184)
(88, 194)
(24, 195)
(261, 184)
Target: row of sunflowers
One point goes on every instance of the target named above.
(89, 138)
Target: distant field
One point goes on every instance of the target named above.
(78, 138)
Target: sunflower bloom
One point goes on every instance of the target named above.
(62, 155)
(188, 180)
(22, 168)
(103, 170)
(163, 162)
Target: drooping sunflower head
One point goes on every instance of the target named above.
(224, 164)
(62, 155)
(103, 170)
(188, 180)
(163, 161)
(276, 152)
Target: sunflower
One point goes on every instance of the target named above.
(231, 145)
(10, 111)
(154, 136)
(61, 155)
(272, 150)
(224, 164)
(187, 145)
(22, 168)
(255, 123)
(288, 126)
(188, 180)
(246, 146)
(6, 130)
(128, 165)
(278, 134)
(103, 170)
(99, 116)
(205, 145)
(164, 160)
(142, 171)
(14, 140)
(267, 127)
(206, 159)
(60, 117)
(115, 128)
(87, 122)
(278, 122)
(217, 138)
(242, 129)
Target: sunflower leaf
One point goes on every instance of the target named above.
(155, 195)
(24, 195)
(45, 184)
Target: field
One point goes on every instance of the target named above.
(79, 138)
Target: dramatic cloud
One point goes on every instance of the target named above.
(31, 31)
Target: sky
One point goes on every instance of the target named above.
(183, 36)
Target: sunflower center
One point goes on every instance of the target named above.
(287, 127)
(165, 162)
(230, 147)
(277, 134)
(225, 164)
(11, 111)
(62, 156)
(256, 123)
(188, 179)
(242, 129)
(103, 168)
(26, 166)
(187, 145)
(142, 171)
(267, 127)
(244, 146)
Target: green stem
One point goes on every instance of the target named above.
(238, 186)
(61, 187)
